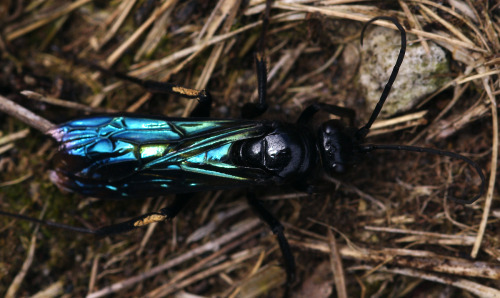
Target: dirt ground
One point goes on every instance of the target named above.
(386, 228)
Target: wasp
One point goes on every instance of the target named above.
(131, 156)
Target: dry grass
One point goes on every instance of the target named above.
(394, 233)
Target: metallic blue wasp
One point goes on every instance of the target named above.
(125, 156)
(131, 156)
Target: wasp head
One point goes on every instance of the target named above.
(337, 147)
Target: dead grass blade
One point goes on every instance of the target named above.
(116, 20)
(416, 259)
(470, 286)
(493, 171)
(45, 19)
(65, 103)
(209, 246)
(336, 267)
(16, 283)
(25, 115)
(138, 33)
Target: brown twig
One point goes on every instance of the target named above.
(25, 115)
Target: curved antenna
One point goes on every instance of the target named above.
(363, 131)
(370, 147)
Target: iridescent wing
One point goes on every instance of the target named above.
(131, 156)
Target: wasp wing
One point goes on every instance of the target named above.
(131, 156)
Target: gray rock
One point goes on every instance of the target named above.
(419, 75)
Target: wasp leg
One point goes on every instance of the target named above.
(202, 109)
(204, 98)
(166, 213)
(277, 229)
(48, 223)
(253, 110)
(309, 112)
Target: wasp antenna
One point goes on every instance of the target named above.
(368, 148)
(363, 131)
(48, 223)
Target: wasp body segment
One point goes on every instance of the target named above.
(132, 156)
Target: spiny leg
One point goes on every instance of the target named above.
(253, 110)
(166, 213)
(277, 229)
(311, 110)
(48, 223)
(203, 107)
(204, 98)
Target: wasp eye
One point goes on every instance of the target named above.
(330, 148)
